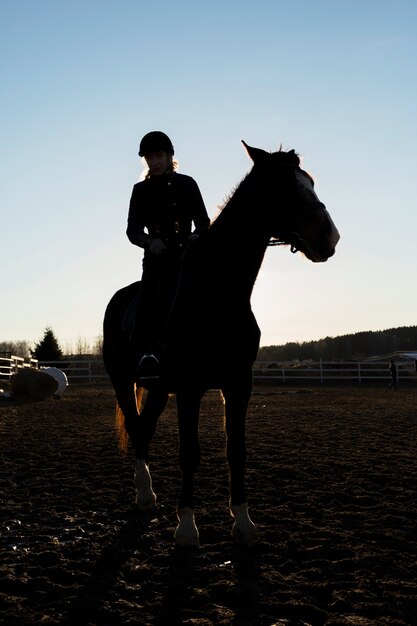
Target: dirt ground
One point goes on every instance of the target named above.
(332, 479)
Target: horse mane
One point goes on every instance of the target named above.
(229, 196)
(280, 157)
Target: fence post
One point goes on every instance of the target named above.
(321, 371)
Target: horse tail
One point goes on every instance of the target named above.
(121, 430)
(120, 422)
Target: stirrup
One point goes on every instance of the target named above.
(147, 371)
(148, 363)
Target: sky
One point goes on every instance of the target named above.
(83, 80)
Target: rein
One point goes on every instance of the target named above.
(278, 242)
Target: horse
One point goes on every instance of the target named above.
(211, 337)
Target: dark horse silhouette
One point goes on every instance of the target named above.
(211, 337)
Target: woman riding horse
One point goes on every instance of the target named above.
(211, 336)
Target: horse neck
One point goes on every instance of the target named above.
(238, 239)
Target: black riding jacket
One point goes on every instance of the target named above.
(166, 206)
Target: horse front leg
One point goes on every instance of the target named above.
(188, 405)
(236, 399)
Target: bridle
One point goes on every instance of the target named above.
(293, 238)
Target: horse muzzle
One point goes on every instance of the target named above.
(317, 253)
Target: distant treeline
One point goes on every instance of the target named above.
(356, 346)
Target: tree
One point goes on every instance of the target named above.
(82, 347)
(98, 346)
(17, 348)
(355, 346)
(48, 348)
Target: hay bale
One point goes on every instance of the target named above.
(59, 376)
(30, 383)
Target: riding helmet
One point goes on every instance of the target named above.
(155, 140)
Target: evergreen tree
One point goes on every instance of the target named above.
(48, 348)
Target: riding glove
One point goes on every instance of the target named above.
(157, 246)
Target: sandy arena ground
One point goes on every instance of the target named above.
(332, 479)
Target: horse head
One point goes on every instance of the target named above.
(296, 215)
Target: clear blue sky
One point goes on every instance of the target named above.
(82, 81)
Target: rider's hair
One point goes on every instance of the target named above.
(172, 168)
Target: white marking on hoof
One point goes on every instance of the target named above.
(145, 497)
(186, 533)
(244, 530)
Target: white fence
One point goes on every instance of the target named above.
(11, 364)
(264, 372)
(76, 370)
(332, 371)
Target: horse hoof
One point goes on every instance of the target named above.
(245, 538)
(147, 505)
(186, 533)
(243, 530)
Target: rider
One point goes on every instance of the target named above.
(162, 209)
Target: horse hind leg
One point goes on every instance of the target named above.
(140, 426)
(145, 496)
(148, 418)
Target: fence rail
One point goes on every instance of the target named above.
(92, 370)
(325, 371)
(9, 365)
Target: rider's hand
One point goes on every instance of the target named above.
(157, 246)
(192, 238)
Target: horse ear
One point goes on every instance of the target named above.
(256, 154)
